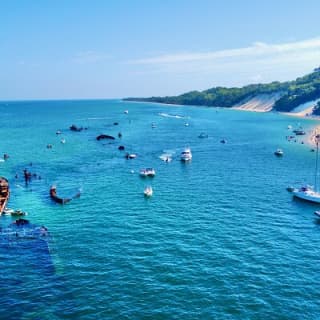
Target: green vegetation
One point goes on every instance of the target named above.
(293, 93)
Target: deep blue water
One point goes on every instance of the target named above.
(221, 238)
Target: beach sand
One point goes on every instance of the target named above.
(265, 102)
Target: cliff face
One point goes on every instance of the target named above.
(277, 96)
(263, 102)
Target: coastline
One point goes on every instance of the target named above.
(265, 105)
(307, 114)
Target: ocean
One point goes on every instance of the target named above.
(220, 238)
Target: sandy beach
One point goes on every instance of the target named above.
(265, 103)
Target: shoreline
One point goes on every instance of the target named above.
(305, 114)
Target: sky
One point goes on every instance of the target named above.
(101, 49)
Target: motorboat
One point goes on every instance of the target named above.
(147, 172)
(63, 141)
(125, 111)
(202, 135)
(186, 155)
(13, 212)
(279, 152)
(148, 192)
(131, 155)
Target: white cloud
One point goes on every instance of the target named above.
(257, 50)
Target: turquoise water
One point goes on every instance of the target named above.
(221, 238)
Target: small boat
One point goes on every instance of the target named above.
(317, 213)
(75, 128)
(55, 198)
(125, 111)
(279, 152)
(299, 132)
(131, 156)
(4, 193)
(63, 141)
(148, 192)
(58, 132)
(203, 135)
(13, 212)
(186, 155)
(104, 136)
(186, 124)
(147, 172)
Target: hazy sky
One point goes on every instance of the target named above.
(115, 48)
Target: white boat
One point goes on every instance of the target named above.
(307, 193)
(186, 155)
(310, 193)
(125, 111)
(131, 155)
(12, 212)
(279, 152)
(148, 192)
(147, 172)
(63, 141)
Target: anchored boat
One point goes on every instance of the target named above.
(148, 192)
(4, 193)
(310, 193)
(186, 155)
(147, 172)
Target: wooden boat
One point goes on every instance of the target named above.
(4, 193)
(55, 198)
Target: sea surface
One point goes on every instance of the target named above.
(220, 238)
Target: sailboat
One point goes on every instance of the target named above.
(307, 192)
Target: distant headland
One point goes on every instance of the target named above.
(300, 95)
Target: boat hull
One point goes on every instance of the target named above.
(310, 196)
(4, 193)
